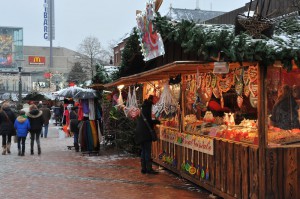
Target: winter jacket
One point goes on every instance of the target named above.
(142, 132)
(46, 114)
(22, 125)
(7, 127)
(36, 120)
(73, 122)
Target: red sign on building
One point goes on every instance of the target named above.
(36, 60)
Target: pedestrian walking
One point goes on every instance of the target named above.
(22, 125)
(36, 123)
(7, 119)
(143, 135)
(46, 117)
(74, 127)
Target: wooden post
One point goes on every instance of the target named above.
(262, 122)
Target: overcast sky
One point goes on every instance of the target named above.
(107, 20)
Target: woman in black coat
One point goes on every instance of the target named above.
(143, 135)
(36, 120)
(7, 120)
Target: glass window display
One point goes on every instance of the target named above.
(283, 96)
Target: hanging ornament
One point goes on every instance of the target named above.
(213, 80)
(216, 92)
(252, 73)
(208, 80)
(207, 170)
(253, 101)
(245, 78)
(224, 85)
(246, 90)
(253, 88)
(167, 104)
(240, 101)
(239, 87)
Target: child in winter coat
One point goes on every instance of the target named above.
(22, 125)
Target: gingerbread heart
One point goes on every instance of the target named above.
(252, 73)
(240, 101)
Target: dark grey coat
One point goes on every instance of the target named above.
(7, 128)
(142, 132)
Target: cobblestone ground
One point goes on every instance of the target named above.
(62, 173)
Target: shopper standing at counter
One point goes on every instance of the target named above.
(143, 135)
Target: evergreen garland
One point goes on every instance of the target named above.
(210, 40)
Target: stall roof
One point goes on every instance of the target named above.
(170, 70)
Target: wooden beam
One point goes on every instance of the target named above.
(262, 122)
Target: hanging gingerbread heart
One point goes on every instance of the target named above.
(253, 101)
(239, 87)
(245, 78)
(224, 84)
(238, 73)
(252, 73)
(209, 92)
(213, 80)
(216, 92)
(246, 90)
(208, 80)
(253, 88)
(222, 101)
(240, 101)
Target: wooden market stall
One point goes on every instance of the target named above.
(228, 163)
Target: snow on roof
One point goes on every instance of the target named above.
(196, 15)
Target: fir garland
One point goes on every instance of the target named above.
(209, 40)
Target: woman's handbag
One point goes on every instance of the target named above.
(152, 131)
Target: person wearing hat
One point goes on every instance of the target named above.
(22, 125)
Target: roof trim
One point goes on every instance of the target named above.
(170, 70)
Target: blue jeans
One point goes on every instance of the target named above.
(45, 130)
(146, 151)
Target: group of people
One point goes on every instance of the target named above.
(22, 123)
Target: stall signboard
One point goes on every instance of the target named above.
(150, 41)
(36, 60)
(194, 142)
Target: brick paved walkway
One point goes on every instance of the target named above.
(62, 173)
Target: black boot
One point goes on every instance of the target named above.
(31, 149)
(143, 165)
(76, 147)
(39, 150)
(19, 152)
(23, 151)
(149, 168)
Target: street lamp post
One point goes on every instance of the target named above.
(20, 85)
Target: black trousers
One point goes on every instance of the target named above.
(21, 141)
(6, 139)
